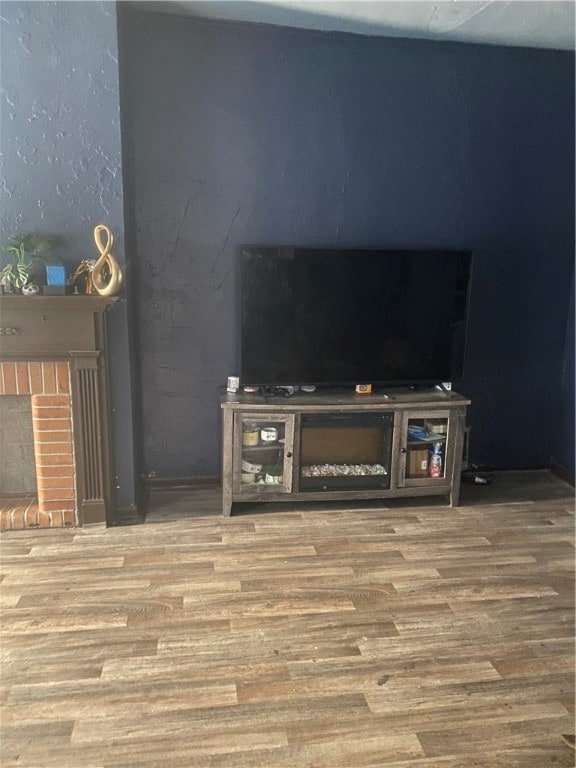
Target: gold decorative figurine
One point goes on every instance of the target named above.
(106, 274)
(102, 275)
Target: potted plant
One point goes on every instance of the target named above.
(25, 249)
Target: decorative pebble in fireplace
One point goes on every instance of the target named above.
(342, 470)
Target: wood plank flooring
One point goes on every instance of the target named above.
(323, 636)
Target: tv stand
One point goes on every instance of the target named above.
(340, 445)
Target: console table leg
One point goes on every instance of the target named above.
(455, 495)
(457, 465)
(227, 462)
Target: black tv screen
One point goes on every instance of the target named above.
(337, 317)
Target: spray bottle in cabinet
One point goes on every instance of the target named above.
(435, 461)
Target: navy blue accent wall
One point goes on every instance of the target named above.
(62, 159)
(247, 134)
(564, 442)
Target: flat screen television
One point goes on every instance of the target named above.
(323, 316)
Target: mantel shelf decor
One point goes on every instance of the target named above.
(24, 251)
(102, 276)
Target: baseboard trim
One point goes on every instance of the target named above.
(129, 515)
(201, 481)
(563, 474)
(479, 468)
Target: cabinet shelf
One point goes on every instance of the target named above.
(427, 441)
(262, 447)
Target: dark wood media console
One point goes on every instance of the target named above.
(341, 445)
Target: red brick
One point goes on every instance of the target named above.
(57, 519)
(51, 483)
(45, 439)
(49, 375)
(51, 412)
(46, 424)
(44, 520)
(41, 401)
(58, 494)
(63, 506)
(35, 375)
(63, 472)
(55, 460)
(22, 383)
(61, 448)
(70, 519)
(17, 518)
(31, 516)
(62, 377)
(5, 523)
(9, 370)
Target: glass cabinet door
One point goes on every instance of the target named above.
(263, 455)
(424, 445)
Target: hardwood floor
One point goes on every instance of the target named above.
(318, 637)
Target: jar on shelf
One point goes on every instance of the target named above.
(250, 435)
(269, 435)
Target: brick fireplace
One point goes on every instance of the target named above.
(47, 384)
(53, 350)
